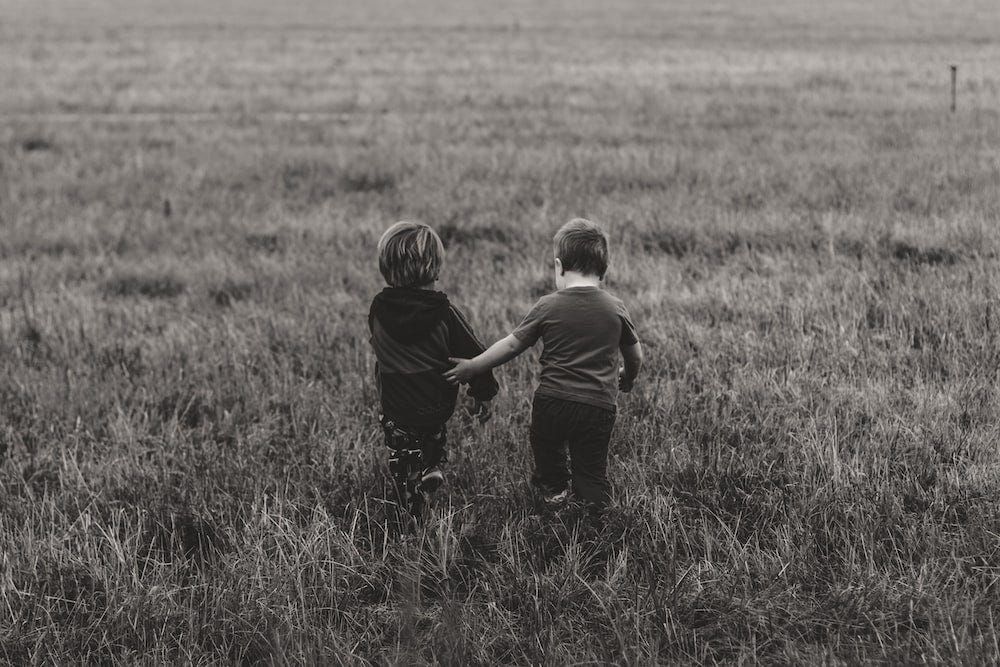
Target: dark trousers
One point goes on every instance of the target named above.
(586, 429)
(427, 446)
(412, 451)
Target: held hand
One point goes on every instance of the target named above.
(461, 372)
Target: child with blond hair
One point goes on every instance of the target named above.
(414, 330)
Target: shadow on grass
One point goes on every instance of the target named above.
(154, 286)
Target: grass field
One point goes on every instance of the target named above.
(807, 239)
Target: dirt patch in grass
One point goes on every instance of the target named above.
(172, 534)
(452, 234)
(902, 251)
(118, 357)
(69, 587)
(674, 242)
(316, 181)
(266, 242)
(374, 180)
(606, 184)
(36, 144)
(230, 292)
(41, 474)
(155, 286)
(683, 243)
(313, 180)
(191, 409)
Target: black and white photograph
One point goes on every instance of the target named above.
(480, 332)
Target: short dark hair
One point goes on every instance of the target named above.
(582, 245)
(410, 254)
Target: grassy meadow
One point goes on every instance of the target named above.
(807, 238)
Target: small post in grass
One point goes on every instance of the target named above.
(954, 79)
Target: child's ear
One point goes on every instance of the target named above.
(559, 267)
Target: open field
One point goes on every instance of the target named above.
(807, 239)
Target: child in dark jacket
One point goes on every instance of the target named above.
(414, 330)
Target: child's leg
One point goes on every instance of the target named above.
(434, 447)
(548, 444)
(404, 461)
(588, 447)
(433, 455)
(414, 460)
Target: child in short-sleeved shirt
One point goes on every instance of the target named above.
(583, 329)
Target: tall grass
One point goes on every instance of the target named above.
(189, 465)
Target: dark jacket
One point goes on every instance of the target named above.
(414, 331)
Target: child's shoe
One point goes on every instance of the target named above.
(556, 499)
(431, 480)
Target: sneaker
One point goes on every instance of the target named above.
(556, 498)
(431, 480)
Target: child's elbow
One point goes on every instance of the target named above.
(514, 345)
(633, 356)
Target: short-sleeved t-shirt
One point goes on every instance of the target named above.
(582, 329)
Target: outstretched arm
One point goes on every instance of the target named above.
(632, 355)
(498, 353)
(464, 344)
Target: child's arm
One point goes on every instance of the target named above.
(498, 353)
(464, 343)
(632, 355)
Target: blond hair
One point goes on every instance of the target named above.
(410, 254)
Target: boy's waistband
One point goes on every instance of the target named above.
(591, 401)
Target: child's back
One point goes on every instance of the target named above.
(414, 330)
(582, 329)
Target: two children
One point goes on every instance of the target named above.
(582, 329)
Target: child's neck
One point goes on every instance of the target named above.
(576, 279)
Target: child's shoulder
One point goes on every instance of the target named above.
(617, 304)
(547, 302)
(590, 301)
(456, 315)
(609, 295)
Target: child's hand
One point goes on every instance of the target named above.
(624, 384)
(463, 371)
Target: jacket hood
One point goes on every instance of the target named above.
(407, 313)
